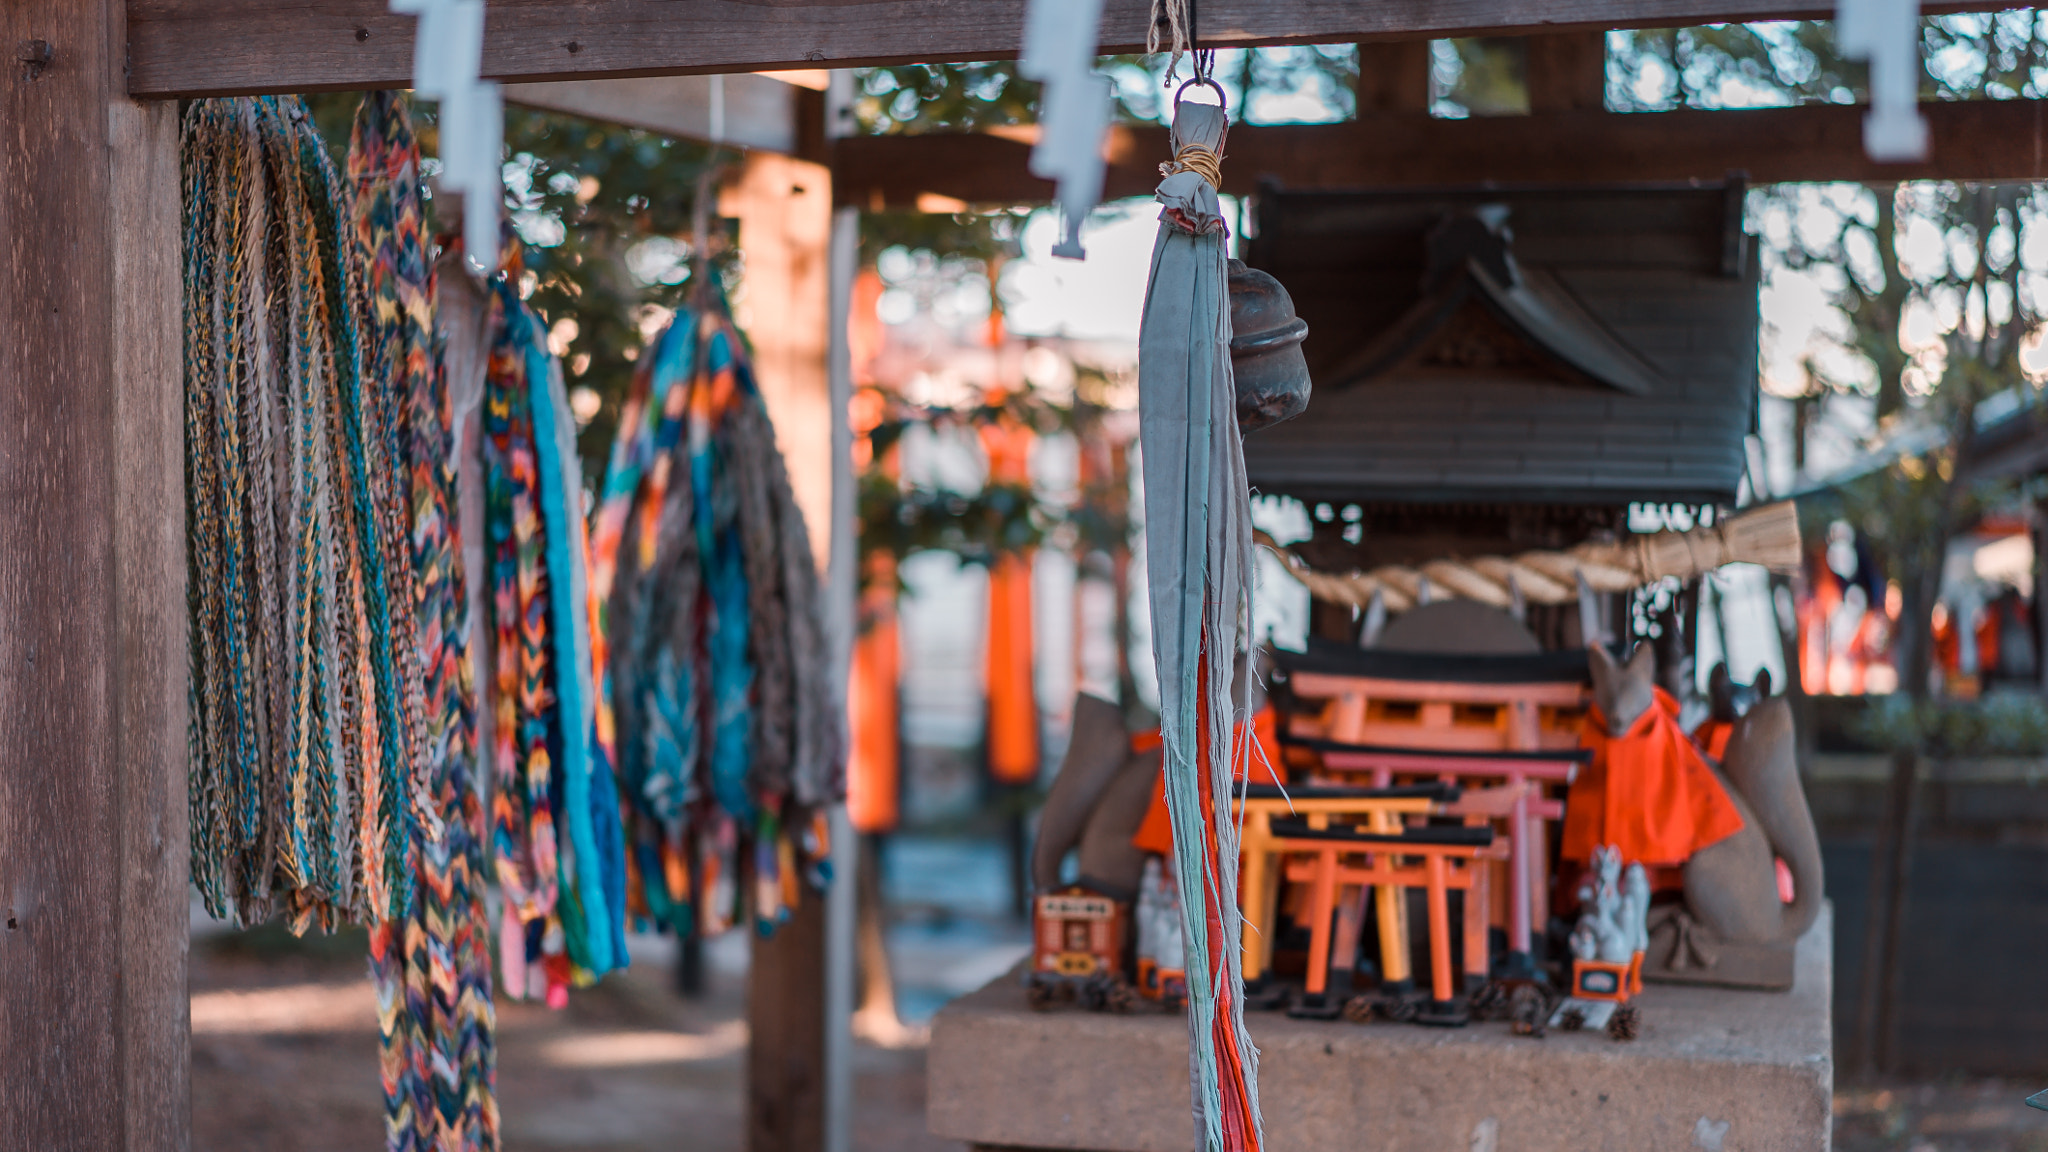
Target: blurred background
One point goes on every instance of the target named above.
(1002, 572)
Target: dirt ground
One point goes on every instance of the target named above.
(284, 1059)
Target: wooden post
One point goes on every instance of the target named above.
(93, 849)
(784, 208)
(786, 1029)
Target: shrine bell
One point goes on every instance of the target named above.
(1265, 350)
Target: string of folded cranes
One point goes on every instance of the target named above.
(412, 672)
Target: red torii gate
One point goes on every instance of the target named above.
(94, 1018)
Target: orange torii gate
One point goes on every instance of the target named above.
(94, 1027)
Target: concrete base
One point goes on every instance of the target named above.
(1715, 1069)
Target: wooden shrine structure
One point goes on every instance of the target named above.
(94, 1029)
(1573, 346)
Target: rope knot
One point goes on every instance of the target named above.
(1197, 159)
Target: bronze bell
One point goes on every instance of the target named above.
(1265, 350)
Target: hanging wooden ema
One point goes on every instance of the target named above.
(1199, 547)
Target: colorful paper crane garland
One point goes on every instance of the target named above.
(555, 833)
(727, 739)
(355, 698)
(433, 967)
(307, 723)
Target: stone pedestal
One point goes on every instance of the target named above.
(1715, 1069)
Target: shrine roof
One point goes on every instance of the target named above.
(1585, 345)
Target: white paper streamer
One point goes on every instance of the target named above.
(1887, 33)
(447, 61)
(1059, 51)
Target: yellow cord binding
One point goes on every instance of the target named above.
(1197, 159)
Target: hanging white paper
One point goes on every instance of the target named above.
(1887, 34)
(447, 61)
(1059, 51)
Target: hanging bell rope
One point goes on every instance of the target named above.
(1767, 536)
(1198, 519)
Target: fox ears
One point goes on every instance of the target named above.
(1641, 664)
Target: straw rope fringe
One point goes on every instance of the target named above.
(1768, 536)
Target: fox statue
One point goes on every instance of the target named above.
(1733, 927)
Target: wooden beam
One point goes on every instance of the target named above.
(1393, 76)
(94, 1038)
(239, 47)
(1973, 140)
(1566, 71)
(750, 112)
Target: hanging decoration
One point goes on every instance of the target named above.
(1199, 565)
(556, 840)
(1887, 34)
(874, 734)
(447, 59)
(1012, 729)
(1767, 535)
(308, 762)
(726, 734)
(1059, 50)
(432, 968)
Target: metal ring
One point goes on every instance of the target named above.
(1222, 101)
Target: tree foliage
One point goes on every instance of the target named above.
(1975, 56)
(901, 517)
(606, 213)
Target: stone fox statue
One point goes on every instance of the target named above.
(1097, 800)
(1731, 888)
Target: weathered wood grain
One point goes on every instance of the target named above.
(149, 624)
(786, 1034)
(1566, 71)
(235, 47)
(1975, 140)
(93, 1050)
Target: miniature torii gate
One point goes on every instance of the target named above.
(94, 1037)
